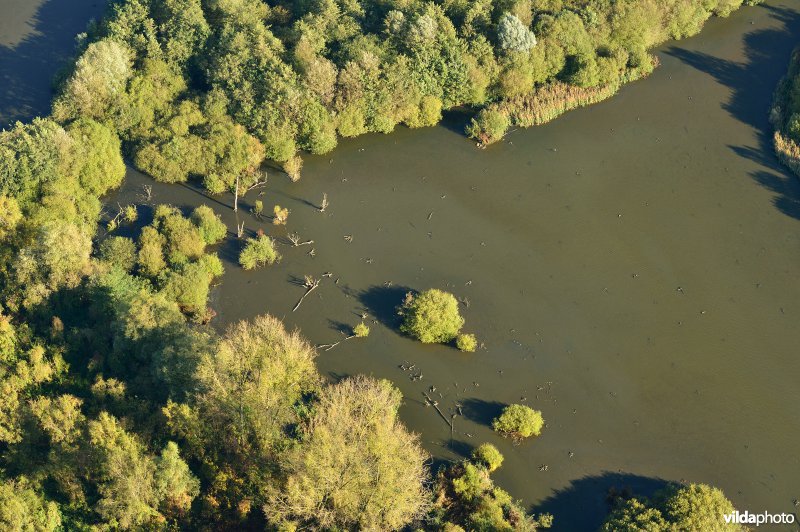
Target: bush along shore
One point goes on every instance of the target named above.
(208, 89)
(785, 116)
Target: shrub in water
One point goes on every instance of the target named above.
(467, 342)
(258, 252)
(519, 421)
(431, 316)
(488, 455)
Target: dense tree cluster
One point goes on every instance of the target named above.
(467, 499)
(209, 88)
(785, 116)
(689, 507)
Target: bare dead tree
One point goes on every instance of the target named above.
(127, 213)
(260, 181)
(294, 238)
(147, 192)
(328, 347)
(310, 284)
(236, 196)
(240, 230)
(239, 190)
(324, 204)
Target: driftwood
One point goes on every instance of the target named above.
(435, 405)
(311, 284)
(294, 238)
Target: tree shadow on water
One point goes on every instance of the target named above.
(786, 188)
(341, 327)
(752, 84)
(27, 68)
(585, 503)
(382, 302)
(481, 411)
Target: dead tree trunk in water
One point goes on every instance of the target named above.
(236, 196)
(311, 284)
(435, 405)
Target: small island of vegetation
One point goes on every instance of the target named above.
(519, 421)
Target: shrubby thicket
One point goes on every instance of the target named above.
(676, 507)
(785, 116)
(209, 88)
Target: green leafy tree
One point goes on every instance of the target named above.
(257, 252)
(689, 507)
(633, 515)
(358, 466)
(125, 475)
(99, 80)
(211, 227)
(31, 155)
(10, 216)
(250, 385)
(97, 156)
(431, 316)
(361, 330)
(519, 421)
(697, 507)
(24, 367)
(466, 342)
(150, 258)
(513, 35)
(467, 499)
(489, 126)
(175, 484)
(58, 258)
(23, 509)
(119, 251)
(488, 455)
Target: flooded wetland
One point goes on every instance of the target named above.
(630, 269)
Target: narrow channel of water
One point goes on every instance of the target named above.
(632, 269)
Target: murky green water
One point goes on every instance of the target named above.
(37, 39)
(632, 270)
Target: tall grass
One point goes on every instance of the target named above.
(550, 101)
